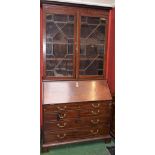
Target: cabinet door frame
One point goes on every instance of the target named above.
(77, 12)
(93, 13)
(54, 9)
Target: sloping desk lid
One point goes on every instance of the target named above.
(75, 91)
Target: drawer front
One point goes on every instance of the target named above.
(57, 116)
(61, 136)
(60, 107)
(95, 112)
(96, 105)
(76, 106)
(75, 123)
(50, 116)
(85, 109)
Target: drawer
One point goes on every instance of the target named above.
(76, 106)
(57, 116)
(75, 123)
(62, 136)
(96, 112)
(76, 110)
(102, 105)
(60, 107)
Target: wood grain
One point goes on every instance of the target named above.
(76, 123)
(61, 136)
(51, 144)
(75, 91)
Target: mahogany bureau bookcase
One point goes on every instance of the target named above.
(76, 98)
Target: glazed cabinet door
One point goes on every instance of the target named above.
(59, 43)
(74, 44)
(92, 46)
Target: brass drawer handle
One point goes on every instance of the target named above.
(94, 132)
(61, 137)
(62, 109)
(95, 122)
(62, 115)
(95, 112)
(61, 126)
(95, 105)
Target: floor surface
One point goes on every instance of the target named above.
(89, 148)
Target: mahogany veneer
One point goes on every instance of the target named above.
(75, 111)
(75, 91)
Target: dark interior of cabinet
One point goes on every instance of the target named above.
(92, 38)
(59, 44)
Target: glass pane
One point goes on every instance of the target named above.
(59, 45)
(92, 46)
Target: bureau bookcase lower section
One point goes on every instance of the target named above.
(76, 122)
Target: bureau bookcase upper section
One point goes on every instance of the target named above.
(74, 42)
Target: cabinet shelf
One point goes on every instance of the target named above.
(59, 59)
(66, 59)
(59, 43)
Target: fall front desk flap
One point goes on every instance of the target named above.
(75, 91)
